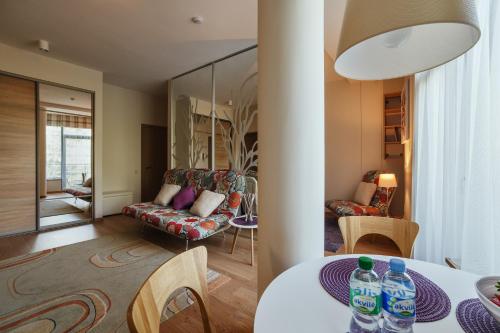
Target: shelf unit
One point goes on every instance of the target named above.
(393, 125)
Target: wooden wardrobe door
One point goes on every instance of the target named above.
(17, 155)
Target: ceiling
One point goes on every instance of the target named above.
(63, 96)
(139, 44)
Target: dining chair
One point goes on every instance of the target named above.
(186, 270)
(402, 232)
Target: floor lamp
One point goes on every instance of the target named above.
(387, 181)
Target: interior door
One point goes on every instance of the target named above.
(17, 155)
(153, 160)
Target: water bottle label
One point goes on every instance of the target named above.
(399, 307)
(365, 300)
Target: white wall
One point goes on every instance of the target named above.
(353, 134)
(34, 65)
(124, 112)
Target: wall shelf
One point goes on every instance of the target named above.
(393, 125)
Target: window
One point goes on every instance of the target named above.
(457, 154)
(53, 152)
(76, 156)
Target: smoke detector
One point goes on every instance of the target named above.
(197, 19)
(43, 45)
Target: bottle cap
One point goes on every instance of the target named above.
(397, 265)
(365, 263)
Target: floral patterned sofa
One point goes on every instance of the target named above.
(182, 223)
(379, 204)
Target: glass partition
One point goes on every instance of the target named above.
(213, 115)
(191, 109)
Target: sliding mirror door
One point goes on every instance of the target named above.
(236, 113)
(191, 119)
(227, 137)
(65, 156)
(17, 155)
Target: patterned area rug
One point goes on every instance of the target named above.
(333, 236)
(83, 287)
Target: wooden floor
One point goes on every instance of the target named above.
(233, 305)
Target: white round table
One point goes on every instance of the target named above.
(296, 302)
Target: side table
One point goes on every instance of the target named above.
(239, 223)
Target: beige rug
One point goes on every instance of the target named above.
(55, 207)
(82, 287)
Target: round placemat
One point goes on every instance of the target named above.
(432, 303)
(474, 318)
(244, 223)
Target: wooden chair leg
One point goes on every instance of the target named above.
(251, 237)
(234, 239)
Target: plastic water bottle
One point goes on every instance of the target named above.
(365, 297)
(398, 298)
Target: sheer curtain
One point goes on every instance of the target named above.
(456, 170)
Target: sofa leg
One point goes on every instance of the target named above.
(187, 244)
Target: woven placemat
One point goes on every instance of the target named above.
(244, 223)
(474, 318)
(432, 303)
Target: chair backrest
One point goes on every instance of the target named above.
(402, 232)
(186, 270)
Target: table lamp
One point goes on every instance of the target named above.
(386, 39)
(387, 180)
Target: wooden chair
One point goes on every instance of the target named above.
(401, 232)
(188, 270)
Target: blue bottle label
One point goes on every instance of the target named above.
(397, 306)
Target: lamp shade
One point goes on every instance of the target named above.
(386, 39)
(387, 180)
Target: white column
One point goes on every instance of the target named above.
(291, 135)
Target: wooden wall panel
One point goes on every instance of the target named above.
(17, 155)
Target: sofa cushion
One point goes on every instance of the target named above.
(350, 208)
(176, 222)
(364, 193)
(166, 194)
(184, 199)
(207, 203)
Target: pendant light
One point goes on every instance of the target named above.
(386, 39)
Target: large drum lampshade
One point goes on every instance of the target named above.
(383, 39)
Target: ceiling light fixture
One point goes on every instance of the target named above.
(387, 39)
(197, 19)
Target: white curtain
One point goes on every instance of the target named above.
(456, 170)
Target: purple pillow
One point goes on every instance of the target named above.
(184, 199)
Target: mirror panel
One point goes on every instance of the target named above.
(64, 156)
